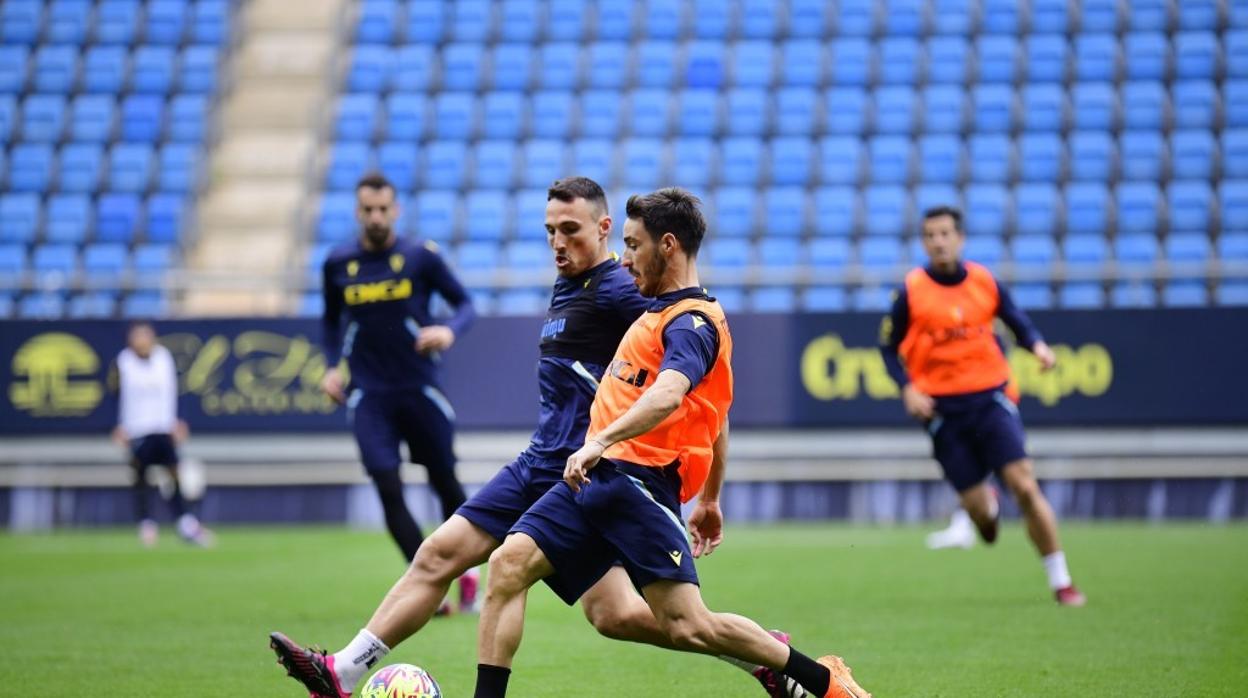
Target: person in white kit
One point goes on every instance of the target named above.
(148, 426)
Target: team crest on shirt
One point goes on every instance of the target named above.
(396, 262)
(957, 314)
(353, 268)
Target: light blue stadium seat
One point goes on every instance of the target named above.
(832, 254)
(947, 60)
(780, 252)
(1237, 54)
(753, 64)
(1081, 295)
(711, 19)
(836, 211)
(736, 209)
(144, 304)
(188, 117)
(886, 210)
(890, 158)
(600, 113)
(750, 111)
(56, 68)
(849, 61)
(130, 167)
(895, 110)
(608, 64)
(594, 158)
(784, 211)
(80, 167)
(1144, 105)
(179, 168)
(1233, 247)
(841, 159)
(731, 298)
(446, 164)
(153, 69)
(1147, 56)
(116, 21)
(399, 161)
(1235, 103)
(376, 21)
(704, 64)
(1046, 58)
(1050, 16)
(997, 59)
(20, 21)
(694, 161)
(1032, 296)
(1234, 293)
(802, 63)
(1000, 16)
(881, 253)
(54, 264)
(616, 20)
(43, 118)
(406, 117)
(796, 110)
(953, 16)
(791, 161)
(1043, 107)
(944, 109)
(664, 20)
(14, 68)
(371, 67)
(68, 21)
(30, 167)
(928, 196)
(825, 299)
(511, 67)
(940, 159)
(531, 213)
(1183, 293)
(642, 162)
(1083, 251)
(1037, 208)
(1149, 14)
(463, 66)
(1094, 106)
(470, 20)
(20, 216)
(1196, 104)
(1188, 249)
(478, 255)
(426, 21)
(68, 218)
(991, 158)
(525, 254)
(117, 217)
(1139, 208)
(487, 215)
(846, 110)
(1133, 294)
(1096, 57)
(1234, 153)
(503, 114)
(165, 215)
(357, 117)
(414, 68)
(92, 305)
(1136, 251)
(12, 262)
(1087, 208)
(105, 69)
(454, 115)
(44, 305)
(165, 22)
(8, 118)
(905, 17)
(437, 215)
(697, 112)
(1093, 156)
(495, 164)
(985, 249)
(649, 112)
(544, 162)
(198, 72)
(760, 19)
(211, 22)
(876, 299)
(336, 219)
(1198, 14)
(729, 253)
(1190, 204)
(1234, 206)
(347, 163)
(1197, 55)
(856, 17)
(1143, 155)
(773, 299)
(989, 209)
(104, 264)
(142, 118)
(741, 161)
(899, 61)
(1193, 153)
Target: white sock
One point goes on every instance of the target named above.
(961, 521)
(360, 655)
(188, 525)
(1055, 567)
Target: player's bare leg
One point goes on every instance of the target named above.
(514, 567)
(617, 611)
(980, 502)
(1041, 528)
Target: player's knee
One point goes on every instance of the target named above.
(1026, 491)
(507, 569)
(435, 561)
(691, 634)
(612, 620)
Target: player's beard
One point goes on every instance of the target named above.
(652, 276)
(377, 235)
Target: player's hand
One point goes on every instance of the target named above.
(181, 432)
(1045, 353)
(706, 526)
(918, 404)
(576, 473)
(119, 436)
(331, 383)
(434, 338)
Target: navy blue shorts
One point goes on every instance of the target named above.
(423, 418)
(497, 506)
(628, 514)
(154, 449)
(972, 445)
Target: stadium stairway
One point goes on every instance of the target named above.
(281, 78)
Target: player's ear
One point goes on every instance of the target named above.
(604, 227)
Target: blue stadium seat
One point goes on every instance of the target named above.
(399, 161)
(3, 165)
(801, 63)
(165, 22)
(1032, 296)
(376, 21)
(876, 299)
(406, 117)
(985, 249)
(881, 253)
(1232, 293)
(211, 23)
(511, 67)
(791, 161)
(944, 109)
(1237, 54)
(594, 158)
(14, 68)
(1084, 251)
(824, 299)
(735, 211)
(1190, 204)
(1096, 57)
(1233, 248)
(751, 111)
(830, 253)
(940, 159)
(1087, 208)
(12, 264)
(886, 210)
(1234, 152)
(43, 305)
(1093, 156)
(947, 60)
(462, 66)
(784, 211)
(43, 118)
(559, 67)
(753, 63)
(1043, 107)
(992, 108)
(664, 20)
(348, 162)
(530, 207)
(846, 110)
(711, 19)
(1000, 16)
(454, 115)
(1148, 56)
(80, 167)
(130, 167)
(841, 159)
(521, 302)
(1139, 208)
(371, 66)
(1094, 106)
(179, 167)
(188, 118)
(56, 68)
(151, 263)
(1133, 294)
(1184, 293)
(1136, 251)
(616, 19)
(890, 158)
(773, 299)
(905, 18)
(1234, 206)
(694, 161)
(488, 215)
(165, 214)
(1196, 104)
(336, 219)
(1197, 55)
(704, 64)
(991, 157)
(198, 71)
(780, 252)
(1235, 103)
(1081, 295)
(729, 253)
(932, 195)
(105, 69)
(1050, 17)
(153, 69)
(92, 305)
(895, 110)
(91, 118)
(1188, 249)
(795, 113)
(836, 211)
(20, 21)
(446, 164)
(849, 61)
(478, 255)
(117, 217)
(1198, 14)
(8, 117)
(997, 59)
(415, 65)
(608, 64)
(544, 162)
(357, 117)
(649, 112)
(105, 264)
(30, 167)
(989, 209)
(856, 17)
(116, 21)
(1037, 208)
(144, 304)
(437, 215)
(600, 114)
(760, 19)
(953, 16)
(503, 114)
(899, 61)
(1149, 14)
(142, 118)
(1046, 58)
(697, 112)
(68, 218)
(1193, 153)
(1143, 155)
(642, 161)
(524, 254)
(741, 161)
(1144, 105)
(495, 164)
(426, 21)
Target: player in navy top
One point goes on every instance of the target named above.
(592, 304)
(381, 285)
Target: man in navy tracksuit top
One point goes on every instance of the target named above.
(381, 286)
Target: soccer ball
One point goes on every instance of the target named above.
(401, 681)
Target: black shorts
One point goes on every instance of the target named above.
(154, 449)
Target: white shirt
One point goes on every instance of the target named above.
(148, 392)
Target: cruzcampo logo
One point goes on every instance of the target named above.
(55, 376)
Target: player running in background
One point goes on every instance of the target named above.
(148, 426)
(382, 285)
(661, 417)
(938, 344)
(593, 303)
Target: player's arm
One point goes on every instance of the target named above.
(706, 521)
(1025, 332)
(181, 430)
(118, 435)
(331, 335)
(440, 337)
(892, 331)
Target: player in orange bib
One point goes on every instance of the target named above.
(939, 345)
(658, 437)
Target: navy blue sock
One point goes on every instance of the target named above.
(492, 681)
(812, 675)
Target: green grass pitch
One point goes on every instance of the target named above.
(93, 614)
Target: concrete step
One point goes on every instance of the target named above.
(286, 56)
(281, 15)
(270, 104)
(264, 154)
(251, 204)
